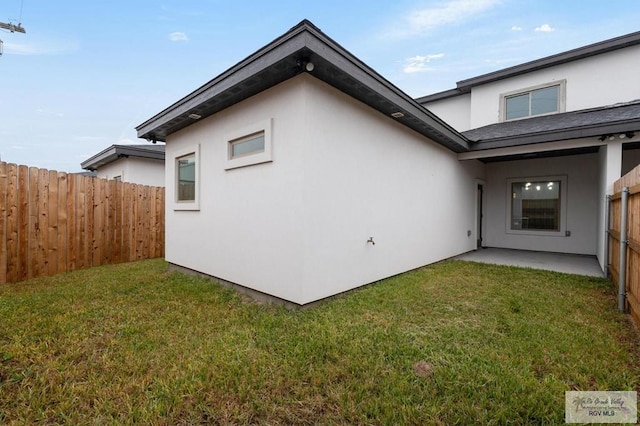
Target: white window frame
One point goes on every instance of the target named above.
(238, 135)
(562, 90)
(186, 204)
(563, 206)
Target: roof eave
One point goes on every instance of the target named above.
(465, 86)
(280, 61)
(115, 152)
(596, 130)
(553, 60)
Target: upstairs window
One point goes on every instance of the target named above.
(533, 102)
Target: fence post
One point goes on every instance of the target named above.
(607, 235)
(622, 275)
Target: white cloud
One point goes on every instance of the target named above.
(419, 63)
(545, 28)
(516, 28)
(445, 13)
(178, 36)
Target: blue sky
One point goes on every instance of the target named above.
(87, 72)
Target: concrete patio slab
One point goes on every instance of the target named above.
(559, 262)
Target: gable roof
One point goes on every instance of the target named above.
(286, 57)
(114, 152)
(465, 86)
(594, 122)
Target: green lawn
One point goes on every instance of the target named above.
(134, 343)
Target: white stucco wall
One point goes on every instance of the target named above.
(455, 111)
(583, 206)
(297, 227)
(143, 171)
(250, 226)
(367, 176)
(601, 243)
(599, 80)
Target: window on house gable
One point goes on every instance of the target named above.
(537, 204)
(533, 102)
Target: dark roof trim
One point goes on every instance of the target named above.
(465, 86)
(591, 131)
(114, 152)
(280, 60)
(595, 122)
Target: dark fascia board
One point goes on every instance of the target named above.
(580, 132)
(115, 152)
(278, 50)
(465, 86)
(451, 93)
(333, 64)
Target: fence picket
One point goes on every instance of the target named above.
(3, 222)
(52, 230)
(34, 224)
(12, 223)
(23, 223)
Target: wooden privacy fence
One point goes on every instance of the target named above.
(624, 238)
(52, 222)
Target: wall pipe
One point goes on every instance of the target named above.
(622, 275)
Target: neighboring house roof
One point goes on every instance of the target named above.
(465, 86)
(286, 57)
(602, 121)
(114, 152)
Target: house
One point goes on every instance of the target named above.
(301, 173)
(567, 124)
(141, 164)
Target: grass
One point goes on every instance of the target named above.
(134, 343)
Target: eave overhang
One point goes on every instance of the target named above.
(115, 152)
(285, 58)
(572, 132)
